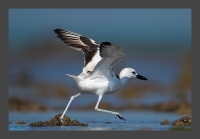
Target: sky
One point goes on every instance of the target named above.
(156, 28)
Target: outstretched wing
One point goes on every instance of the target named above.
(88, 46)
(111, 55)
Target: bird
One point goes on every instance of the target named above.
(98, 74)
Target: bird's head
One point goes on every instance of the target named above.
(130, 74)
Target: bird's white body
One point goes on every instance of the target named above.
(98, 76)
(99, 84)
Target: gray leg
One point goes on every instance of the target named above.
(69, 104)
(116, 113)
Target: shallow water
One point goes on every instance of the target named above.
(135, 120)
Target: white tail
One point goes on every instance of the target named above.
(73, 77)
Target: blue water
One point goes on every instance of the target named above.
(52, 71)
(135, 120)
(124, 26)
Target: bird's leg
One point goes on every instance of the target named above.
(72, 97)
(116, 113)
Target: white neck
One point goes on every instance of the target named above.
(124, 81)
(125, 75)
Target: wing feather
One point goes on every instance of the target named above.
(89, 47)
(111, 55)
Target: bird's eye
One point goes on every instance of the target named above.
(134, 72)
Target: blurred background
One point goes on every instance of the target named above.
(157, 43)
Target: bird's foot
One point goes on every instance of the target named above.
(61, 120)
(120, 117)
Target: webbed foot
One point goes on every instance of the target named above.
(120, 117)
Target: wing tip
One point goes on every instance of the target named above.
(58, 30)
(106, 43)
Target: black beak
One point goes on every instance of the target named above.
(141, 77)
